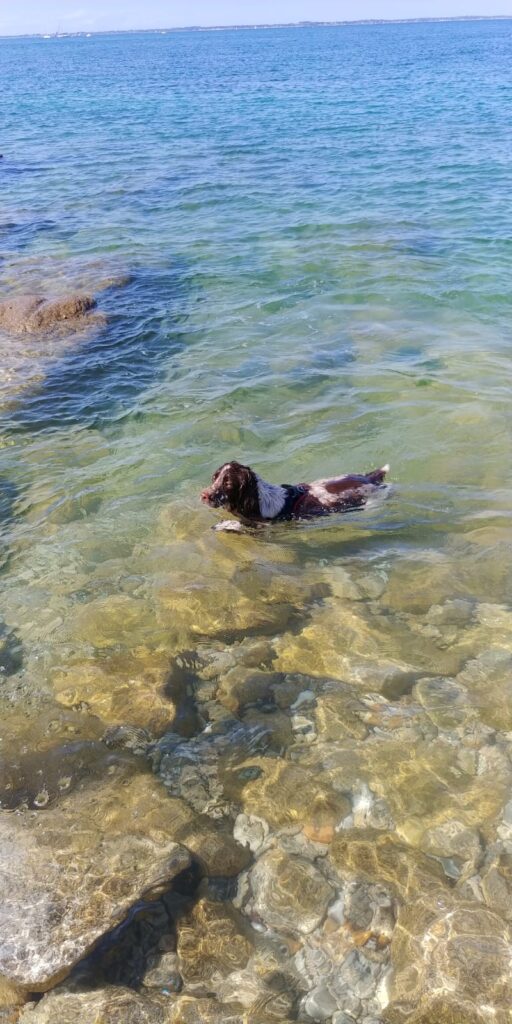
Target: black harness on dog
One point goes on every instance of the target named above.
(294, 493)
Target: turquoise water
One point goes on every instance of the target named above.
(315, 230)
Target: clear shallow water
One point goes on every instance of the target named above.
(316, 232)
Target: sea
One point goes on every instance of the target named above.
(300, 245)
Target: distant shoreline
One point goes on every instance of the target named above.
(239, 28)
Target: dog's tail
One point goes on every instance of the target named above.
(377, 476)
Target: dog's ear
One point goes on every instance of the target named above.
(247, 501)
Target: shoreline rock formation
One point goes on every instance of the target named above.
(36, 314)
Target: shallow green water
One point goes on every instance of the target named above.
(316, 231)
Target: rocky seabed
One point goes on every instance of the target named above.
(309, 832)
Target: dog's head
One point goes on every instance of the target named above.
(235, 488)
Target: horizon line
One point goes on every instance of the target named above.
(261, 25)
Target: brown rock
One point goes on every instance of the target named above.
(267, 987)
(241, 687)
(447, 703)
(338, 713)
(348, 642)
(441, 1010)
(276, 725)
(488, 679)
(448, 947)
(285, 794)
(425, 781)
(32, 314)
(109, 621)
(289, 893)
(211, 842)
(71, 873)
(121, 689)
(496, 880)
(190, 609)
(112, 1005)
(454, 839)
(10, 997)
(211, 944)
(381, 857)
(186, 1010)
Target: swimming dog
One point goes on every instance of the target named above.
(239, 490)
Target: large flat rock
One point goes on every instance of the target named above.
(31, 314)
(115, 1005)
(71, 873)
(122, 1006)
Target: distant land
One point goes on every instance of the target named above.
(269, 25)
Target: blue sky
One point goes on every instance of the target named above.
(97, 15)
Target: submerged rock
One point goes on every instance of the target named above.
(40, 779)
(338, 713)
(107, 622)
(342, 641)
(165, 974)
(453, 839)
(186, 1010)
(251, 831)
(350, 986)
(115, 1005)
(345, 963)
(46, 750)
(494, 883)
(268, 987)
(211, 842)
(33, 314)
(194, 769)
(70, 874)
(488, 679)
(426, 777)
(455, 612)
(285, 795)
(11, 657)
(288, 893)
(190, 610)
(450, 948)
(446, 702)
(11, 998)
(121, 689)
(211, 945)
(442, 1009)
(383, 858)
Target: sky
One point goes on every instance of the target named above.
(104, 15)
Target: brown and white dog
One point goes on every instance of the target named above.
(240, 490)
